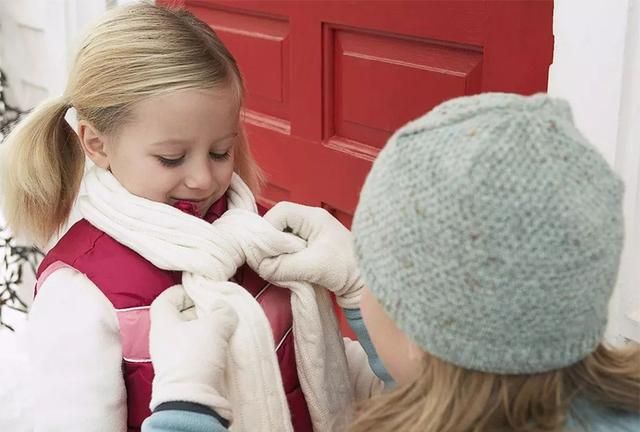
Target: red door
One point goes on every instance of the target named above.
(329, 81)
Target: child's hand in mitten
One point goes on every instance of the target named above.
(328, 260)
(189, 352)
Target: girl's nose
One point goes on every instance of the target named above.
(199, 177)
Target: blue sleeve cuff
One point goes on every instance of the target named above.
(354, 318)
(184, 417)
(181, 421)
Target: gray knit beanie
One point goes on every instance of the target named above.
(490, 230)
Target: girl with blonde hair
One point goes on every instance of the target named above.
(488, 235)
(170, 200)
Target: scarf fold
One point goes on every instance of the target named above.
(209, 253)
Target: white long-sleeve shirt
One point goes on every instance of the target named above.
(75, 357)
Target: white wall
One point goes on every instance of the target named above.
(597, 68)
(37, 42)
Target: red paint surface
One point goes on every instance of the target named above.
(329, 81)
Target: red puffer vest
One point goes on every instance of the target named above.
(131, 283)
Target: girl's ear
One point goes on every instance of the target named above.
(93, 144)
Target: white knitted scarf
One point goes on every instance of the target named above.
(209, 253)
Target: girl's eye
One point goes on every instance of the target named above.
(170, 162)
(219, 156)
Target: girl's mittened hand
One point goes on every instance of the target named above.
(189, 352)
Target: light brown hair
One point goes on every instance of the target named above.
(447, 398)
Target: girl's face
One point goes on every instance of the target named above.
(175, 147)
(400, 355)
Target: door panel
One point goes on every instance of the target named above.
(329, 81)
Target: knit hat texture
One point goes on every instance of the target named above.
(490, 230)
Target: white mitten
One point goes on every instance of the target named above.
(189, 353)
(328, 260)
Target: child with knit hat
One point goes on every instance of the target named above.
(488, 236)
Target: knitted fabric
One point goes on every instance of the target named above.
(490, 230)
